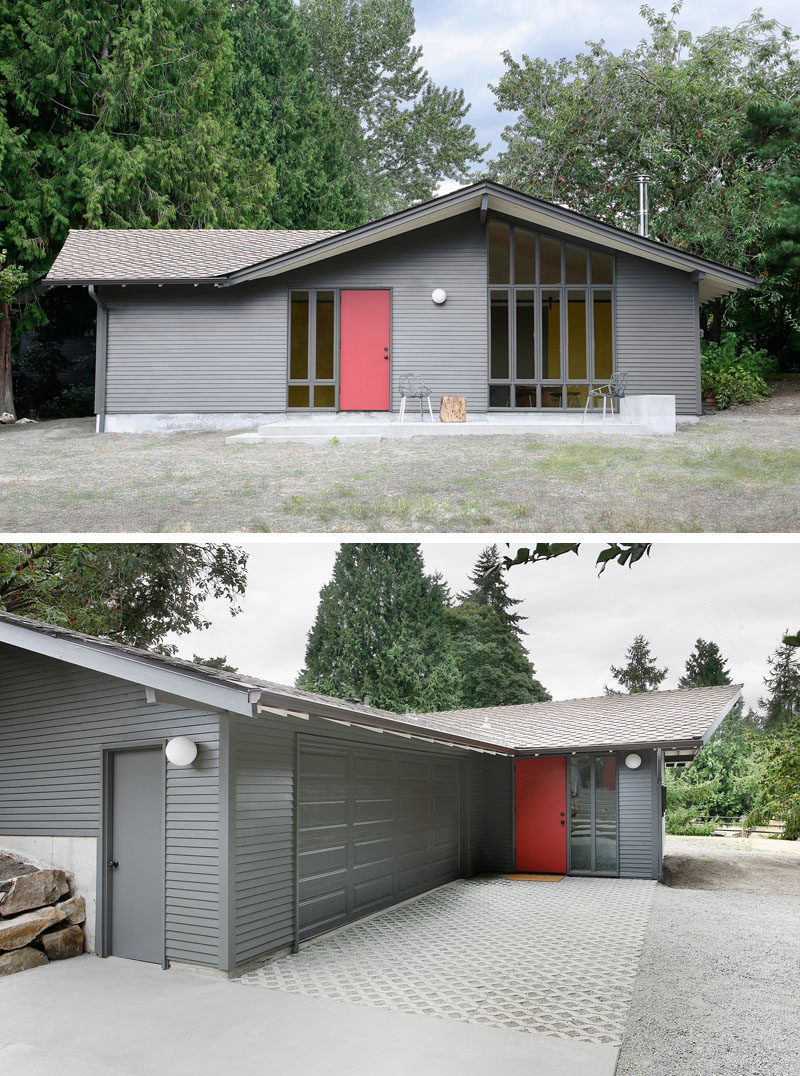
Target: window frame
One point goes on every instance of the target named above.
(313, 382)
(513, 382)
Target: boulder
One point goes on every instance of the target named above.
(21, 960)
(20, 931)
(11, 867)
(6, 419)
(74, 908)
(33, 891)
(62, 943)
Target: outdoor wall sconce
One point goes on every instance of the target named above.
(181, 751)
(439, 295)
(633, 761)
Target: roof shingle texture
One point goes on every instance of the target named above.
(655, 717)
(171, 254)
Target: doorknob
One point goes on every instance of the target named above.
(113, 862)
(563, 823)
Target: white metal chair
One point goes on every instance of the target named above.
(412, 387)
(608, 392)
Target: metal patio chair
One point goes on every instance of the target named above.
(608, 392)
(412, 387)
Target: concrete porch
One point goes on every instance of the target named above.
(648, 415)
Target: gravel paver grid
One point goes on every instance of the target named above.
(560, 960)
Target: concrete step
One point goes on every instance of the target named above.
(298, 437)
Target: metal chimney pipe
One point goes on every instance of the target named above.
(644, 205)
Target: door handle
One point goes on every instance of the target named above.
(113, 862)
(563, 823)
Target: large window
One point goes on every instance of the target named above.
(551, 319)
(312, 349)
(593, 812)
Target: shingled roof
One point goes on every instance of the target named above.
(120, 254)
(681, 719)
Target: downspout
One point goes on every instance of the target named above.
(101, 360)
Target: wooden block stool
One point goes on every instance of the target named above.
(453, 409)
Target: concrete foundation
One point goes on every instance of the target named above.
(75, 855)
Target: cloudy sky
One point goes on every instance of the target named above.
(741, 595)
(463, 40)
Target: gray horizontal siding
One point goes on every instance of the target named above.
(657, 331)
(446, 345)
(638, 832)
(205, 349)
(498, 814)
(54, 720)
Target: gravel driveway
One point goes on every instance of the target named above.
(719, 979)
(735, 471)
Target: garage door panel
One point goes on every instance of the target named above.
(375, 827)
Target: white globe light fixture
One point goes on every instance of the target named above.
(439, 295)
(181, 751)
(633, 761)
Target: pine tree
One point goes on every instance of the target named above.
(494, 668)
(490, 587)
(781, 706)
(380, 632)
(705, 666)
(640, 673)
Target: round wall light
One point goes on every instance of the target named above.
(439, 295)
(181, 751)
(633, 761)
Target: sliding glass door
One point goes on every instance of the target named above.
(593, 814)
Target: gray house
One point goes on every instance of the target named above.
(517, 304)
(214, 819)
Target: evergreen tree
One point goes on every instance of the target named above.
(494, 668)
(705, 666)
(284, 115)
(781, 706)
(380, 632)
(406, 134)
(490, 587)
(117, 115)
(640, 673)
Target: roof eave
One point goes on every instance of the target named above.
(51, 282)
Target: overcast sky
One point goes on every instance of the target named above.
(463, 40)
(742, 596)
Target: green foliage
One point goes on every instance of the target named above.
(781, 705)
(12, 278)
(494, 668)
(705, 667)
(219, 663)
(403, 133)
(733, 373)
(380, 632)
(490, 587)
(132, 593)
(779, 795)
(620, 552)
(640, 673)
(684, 803)
(76, 401)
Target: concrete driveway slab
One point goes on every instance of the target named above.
(554, 959)
(123, 1018)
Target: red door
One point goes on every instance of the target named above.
(364, 351)
(541, 815)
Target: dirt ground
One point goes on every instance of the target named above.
(737, 470)
(734, 864)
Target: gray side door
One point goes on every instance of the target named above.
(135, 854)
(375, 826)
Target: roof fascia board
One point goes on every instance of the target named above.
(694, 743)
(174, 682)
(82, 282)
(726, 709)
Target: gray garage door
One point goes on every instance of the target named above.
(375, 826)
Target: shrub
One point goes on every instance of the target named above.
(76, 401)
(732, 373)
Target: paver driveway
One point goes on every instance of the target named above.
(557, 958)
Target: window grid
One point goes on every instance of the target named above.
(310, 382)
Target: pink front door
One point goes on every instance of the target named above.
(364, 351)
(541, 798)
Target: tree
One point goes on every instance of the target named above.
(284, 115)
(780, 788)
(406, 133)
(494, 668)
(781, 706)
(640, 673)
(674, 108)
(219, 663)
(380, 632)
(12, 277)
(490, 588)
(132, 593)
(705, 667)
(117, 115)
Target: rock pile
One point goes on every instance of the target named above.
(40, 920)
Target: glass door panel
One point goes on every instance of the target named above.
(580, 813)
(551, 335)
(593, 812)
(526, 335)
(499, 369)
(605, 813)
